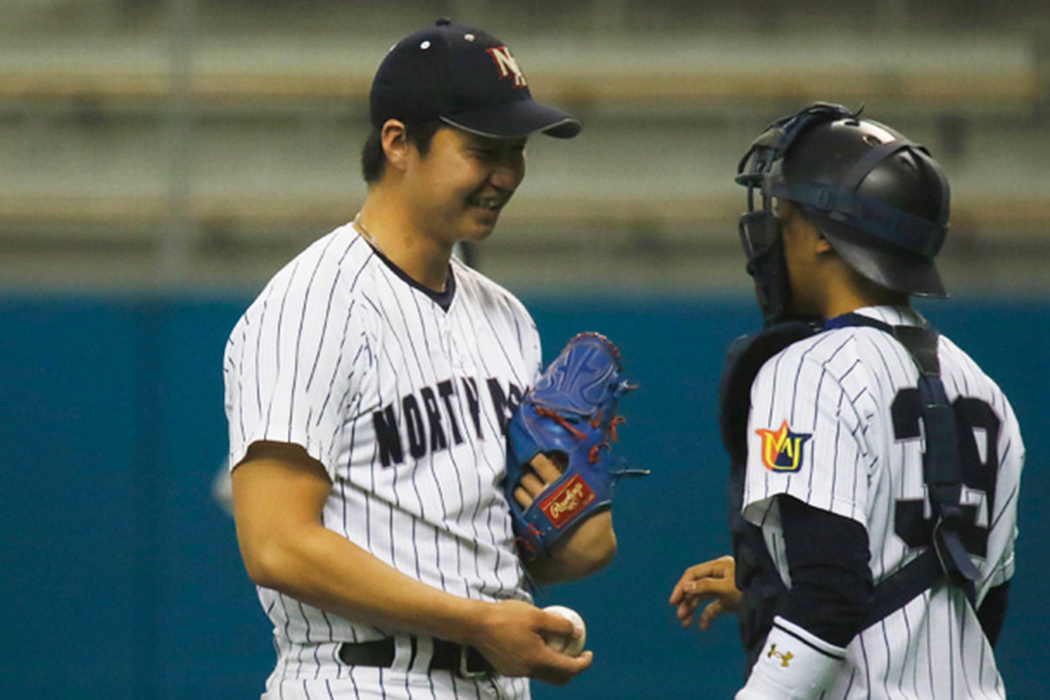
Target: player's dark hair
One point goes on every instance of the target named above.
(373, 159)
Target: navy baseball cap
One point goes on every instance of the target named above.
(465, 78)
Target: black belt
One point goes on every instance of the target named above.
(448, 656)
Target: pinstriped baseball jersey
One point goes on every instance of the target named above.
(404, 396)
(835, 424)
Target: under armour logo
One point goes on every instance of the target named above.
(784, 658)
(507, 66)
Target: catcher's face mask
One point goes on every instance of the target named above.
(758, 227)
(766, 263)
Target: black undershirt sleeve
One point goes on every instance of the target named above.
(831, 582)
(992, 612)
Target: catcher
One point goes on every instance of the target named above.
(561, 472)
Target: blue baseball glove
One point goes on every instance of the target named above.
(571, 411)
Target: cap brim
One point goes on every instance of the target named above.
(517, 119)
(899, 271)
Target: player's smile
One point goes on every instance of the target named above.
(490, 206)
(494, 203)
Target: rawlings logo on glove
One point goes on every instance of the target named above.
(572, 412)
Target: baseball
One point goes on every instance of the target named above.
(568, 645)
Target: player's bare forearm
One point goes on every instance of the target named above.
(278, 499)
(712, 580)
(590, 548)
(277, 502)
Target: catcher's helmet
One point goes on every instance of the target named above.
(880, 200)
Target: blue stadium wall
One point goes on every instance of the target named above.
(120, 577)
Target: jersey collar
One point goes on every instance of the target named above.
(889, 315)
(442, 299)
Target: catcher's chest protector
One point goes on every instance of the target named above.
(756, 575)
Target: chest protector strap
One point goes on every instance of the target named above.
(946, 557)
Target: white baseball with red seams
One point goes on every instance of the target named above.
(573, 646)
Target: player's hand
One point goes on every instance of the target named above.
(545, 471)
(711, 580)
(511, 635)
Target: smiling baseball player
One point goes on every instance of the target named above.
(369, 390)
(876, 468)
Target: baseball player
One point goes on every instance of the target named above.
(875, 466)
(368, 393)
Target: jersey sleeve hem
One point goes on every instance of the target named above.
(757, 511)
(312, 448)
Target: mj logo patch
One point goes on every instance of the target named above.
(782, 449)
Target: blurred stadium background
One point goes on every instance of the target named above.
(161, 159)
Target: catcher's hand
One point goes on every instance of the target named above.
(570, 417)
(713, 580)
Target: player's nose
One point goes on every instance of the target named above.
(508, 170)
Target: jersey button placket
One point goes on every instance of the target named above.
(460, 349)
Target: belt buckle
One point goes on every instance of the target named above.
(464, 666)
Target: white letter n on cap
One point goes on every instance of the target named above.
(507, 65)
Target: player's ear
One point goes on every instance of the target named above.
(815, 238)
(823, 247)
(395, 143)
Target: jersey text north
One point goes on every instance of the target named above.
(431, 419)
